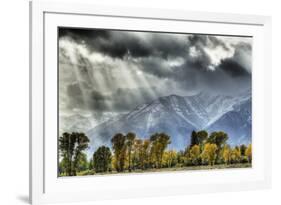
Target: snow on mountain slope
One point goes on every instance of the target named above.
(237, 123)
(144, 121)
(178, 116)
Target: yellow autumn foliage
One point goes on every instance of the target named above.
(209, 153)
(194, 154)
(248, 152)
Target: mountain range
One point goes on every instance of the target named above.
(178, 116)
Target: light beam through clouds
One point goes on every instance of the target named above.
(104, 73)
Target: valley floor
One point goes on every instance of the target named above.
(172, 169)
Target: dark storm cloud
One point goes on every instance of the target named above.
(119, 44)
(193, 73)
(194, 77)
(108, 42)
(82, 34)
(125, 45)
(233, 68)
(243, 56)
(169, 63)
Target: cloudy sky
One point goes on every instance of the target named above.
(103, 71)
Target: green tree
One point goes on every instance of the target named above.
(202, 136)
(91, 164)
(181, 158)
(71, 147)
(209, 153)
(82, 162)
(243, 149)
(218, 138)
(159, 142)
(193, 139)
(119, 148)
(102, 159)
(82, 143)
(136, 157)
(130, 138)
(187, 158)
(198, 138)
(63, 166)
(244, 158)
(144, 154)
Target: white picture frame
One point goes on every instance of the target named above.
(46, 187)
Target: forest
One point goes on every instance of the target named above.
(128, 153)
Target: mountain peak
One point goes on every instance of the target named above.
(178, 115)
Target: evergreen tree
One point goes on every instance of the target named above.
(71, 148)
(102, 159)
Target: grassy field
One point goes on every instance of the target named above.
(188, 168)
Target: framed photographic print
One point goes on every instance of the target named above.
(127, 102)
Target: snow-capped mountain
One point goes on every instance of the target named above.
(237, 123)
(178, 116)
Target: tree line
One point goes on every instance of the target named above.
(129, 153)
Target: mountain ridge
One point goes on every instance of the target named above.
(178, 116)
